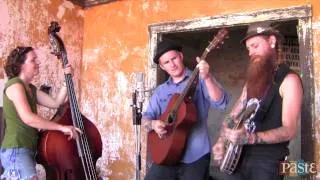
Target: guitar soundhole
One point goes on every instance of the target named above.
(171, 118)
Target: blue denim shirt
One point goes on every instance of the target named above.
(198, 141)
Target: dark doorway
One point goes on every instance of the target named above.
(229, 63)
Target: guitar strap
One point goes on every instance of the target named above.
(281, 73)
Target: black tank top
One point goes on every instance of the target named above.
(272, 119)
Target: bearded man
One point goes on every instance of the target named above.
(265, 139)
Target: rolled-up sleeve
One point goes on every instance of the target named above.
(153, 109)
(221, 103)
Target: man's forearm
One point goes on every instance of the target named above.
(273, 136)
(214, 89)
(147, 124)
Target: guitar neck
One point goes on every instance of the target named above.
(205, 54)
(244, 115)
(184, 93)
(193, 80)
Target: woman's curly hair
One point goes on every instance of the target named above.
(15, 59)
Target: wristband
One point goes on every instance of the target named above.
(252, 137)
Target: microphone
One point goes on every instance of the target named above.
(140, 89)
(138, 98)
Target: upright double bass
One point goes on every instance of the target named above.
(65, 159)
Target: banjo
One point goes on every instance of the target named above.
(233, 153)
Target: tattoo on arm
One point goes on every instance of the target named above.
(274, 136)
(259, 140)
(147, 125)
(239, 106)
(253, 138)
(229, 121)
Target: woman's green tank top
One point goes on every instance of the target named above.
(17, 133)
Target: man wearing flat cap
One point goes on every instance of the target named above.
(194, 163)
(278, 90)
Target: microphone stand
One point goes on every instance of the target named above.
(137, 115)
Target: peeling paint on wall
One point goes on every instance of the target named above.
(116, 44)
(119, 45)
(66, 5)
(111, 122)
(25, 23)
(316, 25)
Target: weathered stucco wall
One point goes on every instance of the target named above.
(116, 45)
(106, 44)
(25, 23)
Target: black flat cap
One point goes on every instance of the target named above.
(261, 28)
(163, 47)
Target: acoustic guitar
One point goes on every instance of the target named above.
(180, 116)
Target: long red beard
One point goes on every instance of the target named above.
(259, 76)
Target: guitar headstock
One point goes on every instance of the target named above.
(218, 39)
(215, 42)
(58, 48)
